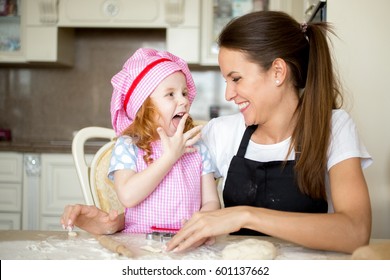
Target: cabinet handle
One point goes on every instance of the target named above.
(32, 164)
(174, 11)
(48, 11)
(309, 9)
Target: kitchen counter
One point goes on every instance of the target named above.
(55, 146)
(58, 245)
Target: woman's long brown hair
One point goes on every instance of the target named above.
(143, 130)
(265, 36)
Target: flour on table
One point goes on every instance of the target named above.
(250, 249)
(54, 248)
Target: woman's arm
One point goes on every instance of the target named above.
(344, 230)
(92, 219)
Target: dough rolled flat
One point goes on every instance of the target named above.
(250, 249)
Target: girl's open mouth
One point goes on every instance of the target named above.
(177, 118)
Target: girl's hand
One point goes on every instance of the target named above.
(180, 142)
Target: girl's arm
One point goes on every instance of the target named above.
(210, 202)
(210, 198)
(133, 187)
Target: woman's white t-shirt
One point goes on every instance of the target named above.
(223, 136)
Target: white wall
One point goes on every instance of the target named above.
(363, 56)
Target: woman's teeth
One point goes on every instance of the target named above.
(243, 105)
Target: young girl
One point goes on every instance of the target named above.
(162, 173)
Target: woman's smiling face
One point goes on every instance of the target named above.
(251, 88)
(171, 99)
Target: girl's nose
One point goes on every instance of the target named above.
(183, 100)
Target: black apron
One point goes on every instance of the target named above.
(269, 185)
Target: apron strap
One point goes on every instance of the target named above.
(245, 140)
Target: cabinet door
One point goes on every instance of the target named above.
(10, 190)
(104, 13)
(295, 8)
(12, 32)
(60, 185)
(11, 182)
(11, 165)
(45, 41)
(183, 32)
(11, 197)
(217, 13)
(10, 221)
(32, 35)
(50, 223)
(49, 44)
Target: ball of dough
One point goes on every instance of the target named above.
(72, 233)
(250, 249)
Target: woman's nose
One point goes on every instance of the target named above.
(229, 93)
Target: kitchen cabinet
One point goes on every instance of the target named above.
(59, 187)
(217, 13)
(37, 38)
(128, 13)
(180, 18)
(295, 8)
(12, 32)
(35, 188)
(46, 42)
(11, 165)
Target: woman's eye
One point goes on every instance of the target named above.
(236, 79)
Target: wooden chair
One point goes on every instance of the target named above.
(97, 189)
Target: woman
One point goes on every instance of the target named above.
(291, 160)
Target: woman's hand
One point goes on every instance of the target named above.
(92, 219)
(203, 226)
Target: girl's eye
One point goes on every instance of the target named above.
(236, 79)
(185, 93)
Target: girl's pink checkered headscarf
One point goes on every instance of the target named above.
(140, 75)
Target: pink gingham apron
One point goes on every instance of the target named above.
(176, 198)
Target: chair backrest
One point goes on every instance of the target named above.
(102, 188)
(97, 188)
